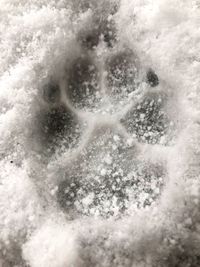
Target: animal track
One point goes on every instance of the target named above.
(99, 138)
(108, 177)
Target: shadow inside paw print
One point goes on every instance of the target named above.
(51, 92)
(109, 180)
(148, 120)
(67, 193)
(111, 193)
(152, 78)
(122, 72)
(83, 83)
(59, 124)
(91, 196)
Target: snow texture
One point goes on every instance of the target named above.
(99, 133)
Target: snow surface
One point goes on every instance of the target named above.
(99, 133)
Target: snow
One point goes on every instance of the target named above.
(128, 190)
(56, 243)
